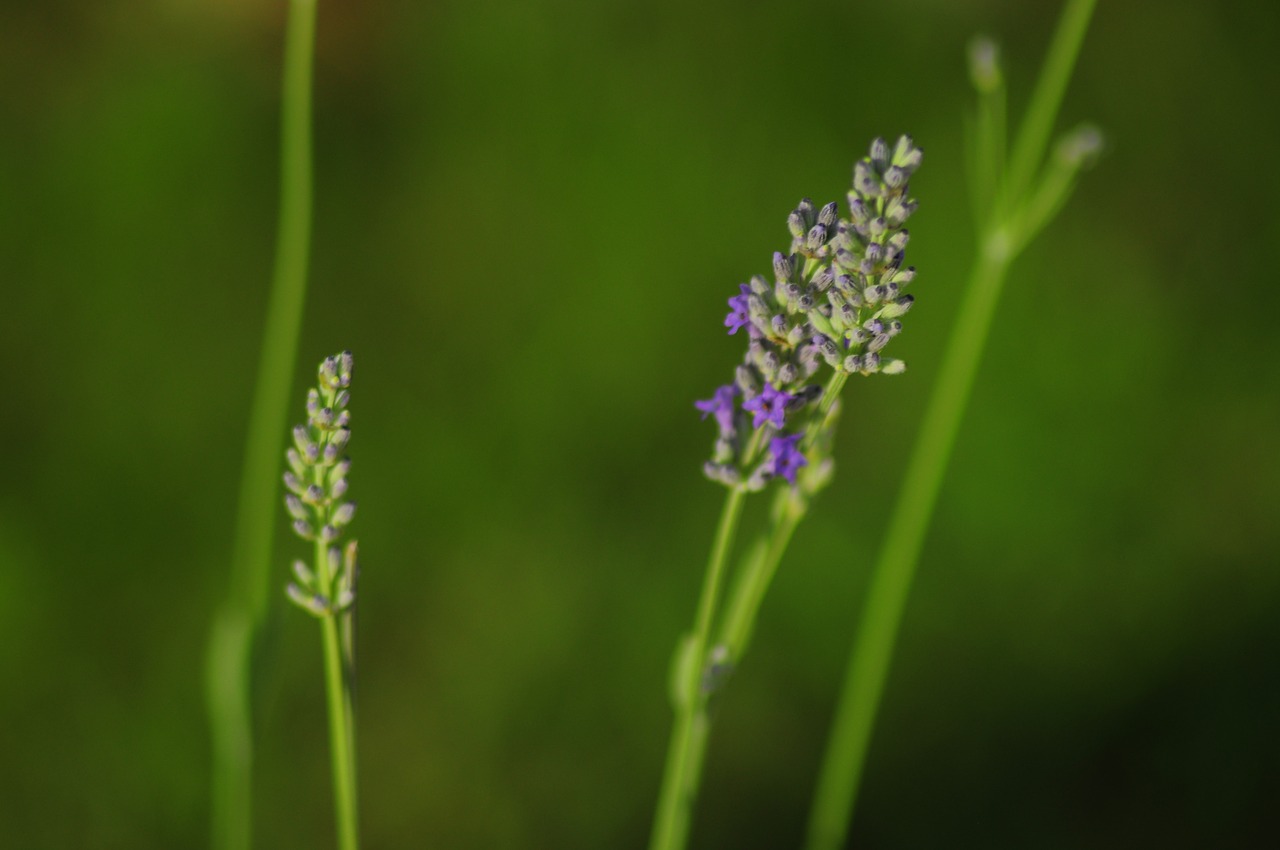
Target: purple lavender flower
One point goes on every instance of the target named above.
(721, 404)
(770, 406)
(741, 312)
(785, 459)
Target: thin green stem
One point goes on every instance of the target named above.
(841, 773)
(869, 664)
(757, 572)
(240, 618)
(688, 737)
(342, 742)
(1042, 111)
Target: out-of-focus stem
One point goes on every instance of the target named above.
(239, 620)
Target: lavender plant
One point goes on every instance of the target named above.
(316, 480)
(834, 305)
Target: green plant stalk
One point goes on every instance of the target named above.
(841, 772)
(1042, 111)
(687, 750)
(342, 742)
(239, 620)
(891, 581)
(688, 737)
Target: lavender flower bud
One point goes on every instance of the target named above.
(870, 362)
(343, 420)
(787, 374)
(891, 366)
(879, 153)
(327, 374)
(343, 515)
(809, 359)
(747, 381)
(313, 402)
(795, 223)
(342, 399)
(829, 215)
(303, 573)
(301, 438)
(340, 437)
(293, 484)
(779, 325)
(759, 285)
(346, 364)
(864, 181)
(328, 534)
(817, 237)
(897, 307)
(295, 507)
(895, 177)
(796, 334)
(329, 455)
(878, 342)
(830, 352)
(899, 210)
(903, 276)
(783, 267)
(302, 528)
(1080, 147)
(906, 155)
(858, 211)
(898, 242)
(338, 489)
(823, 278)
(853, 363)
(311, 453)
(339, 471)
(313, 495)
(984, 64)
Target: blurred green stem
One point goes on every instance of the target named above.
(239, 620)
(688, 737)
(1002, 237)
(338, 667)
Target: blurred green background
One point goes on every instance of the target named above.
(529, 214)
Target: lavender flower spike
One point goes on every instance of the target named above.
(721, 404)
(770, 406)
(740, 311)
(785, 458)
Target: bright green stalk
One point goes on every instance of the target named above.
(1037, 126)
(1002, 237)
(338, 666)
(240, 618)
(688, 737)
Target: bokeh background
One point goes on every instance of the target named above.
(529, 214)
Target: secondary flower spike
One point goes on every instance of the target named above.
(836, 300)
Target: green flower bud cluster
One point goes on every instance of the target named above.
(316, 480)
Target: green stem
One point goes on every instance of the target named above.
(757, 573)
(1042, 111)
(342, 742)
(841, 773)
(869, 665)
(240, 618)
(688, 737)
